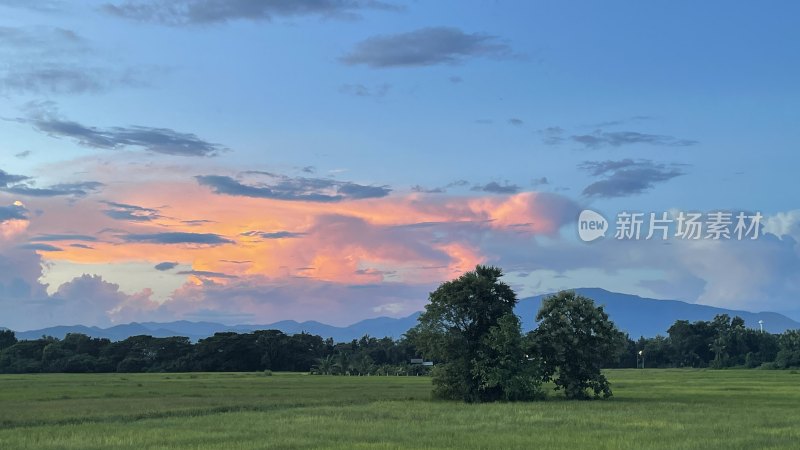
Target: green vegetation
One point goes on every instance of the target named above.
(654, 409)
(469, 328)
(573, 339)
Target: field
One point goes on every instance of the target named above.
(669, 409)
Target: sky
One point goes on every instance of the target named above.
(251, 161)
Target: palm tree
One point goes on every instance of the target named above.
(343, 363)
(325, 365)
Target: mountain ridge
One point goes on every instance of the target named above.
(638, 316)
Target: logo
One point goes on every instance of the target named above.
(591, 225)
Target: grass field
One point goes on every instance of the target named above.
(668, 409)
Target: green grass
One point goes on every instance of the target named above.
(669, 409)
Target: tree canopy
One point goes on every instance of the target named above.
(470, 330)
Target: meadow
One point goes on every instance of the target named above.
(669, 409)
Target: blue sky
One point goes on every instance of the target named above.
(332, 146)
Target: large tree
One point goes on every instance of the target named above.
(573, 339)
(470, 331)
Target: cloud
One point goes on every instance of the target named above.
(542, 181)
(45, 119)
(619, 138)
(22, 155)
(359, 90)
(205, 274)
(196, 223)
(63, 237)
(177, 237)
(516, 122)
(627, 177)
(83, 246)
(22, 185)
(45, 63)
(13, 212)
(80, 189)
(157, 140)
(41, 5)
(439, 190)
(497, 188)
(425, 47)
(132, 213)
(41, 247)
(59, 78)
(273, 235)
(455, 79)
(165, 266)
(424, 190)
(552, 135)
(199, 12)
(282, 187)
(7, 178)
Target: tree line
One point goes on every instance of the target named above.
(223, 352)
(723, 342)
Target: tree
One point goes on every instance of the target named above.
(467, 329)
(573, 339)
(7, 339)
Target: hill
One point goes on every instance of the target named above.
(638, 316)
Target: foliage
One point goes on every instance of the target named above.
(573, 339)
(469, 329)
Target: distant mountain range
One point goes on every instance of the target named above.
(635, 315)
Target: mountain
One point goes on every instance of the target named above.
(638, 316)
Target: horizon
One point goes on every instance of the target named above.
(337, 161)
(347, 325)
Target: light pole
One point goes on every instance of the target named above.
(641, 353)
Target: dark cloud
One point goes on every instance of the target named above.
(516, 122)
(13, 212)
(497, 188)
(83, 246)
(177, 238)
(197, 223)
(308, 169)
(165, 266)
(63, 237)
(23, 155)
(619, 138)
(157, 140)
(540, 181)
(281, 187)
(627, 177)
(7, 178)
(205, 274)
(424, 190)
(425, 47)
(360, 90)
(41, 247)
(198, 12)
(132, 213)
(273, 234)
(78, 189)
